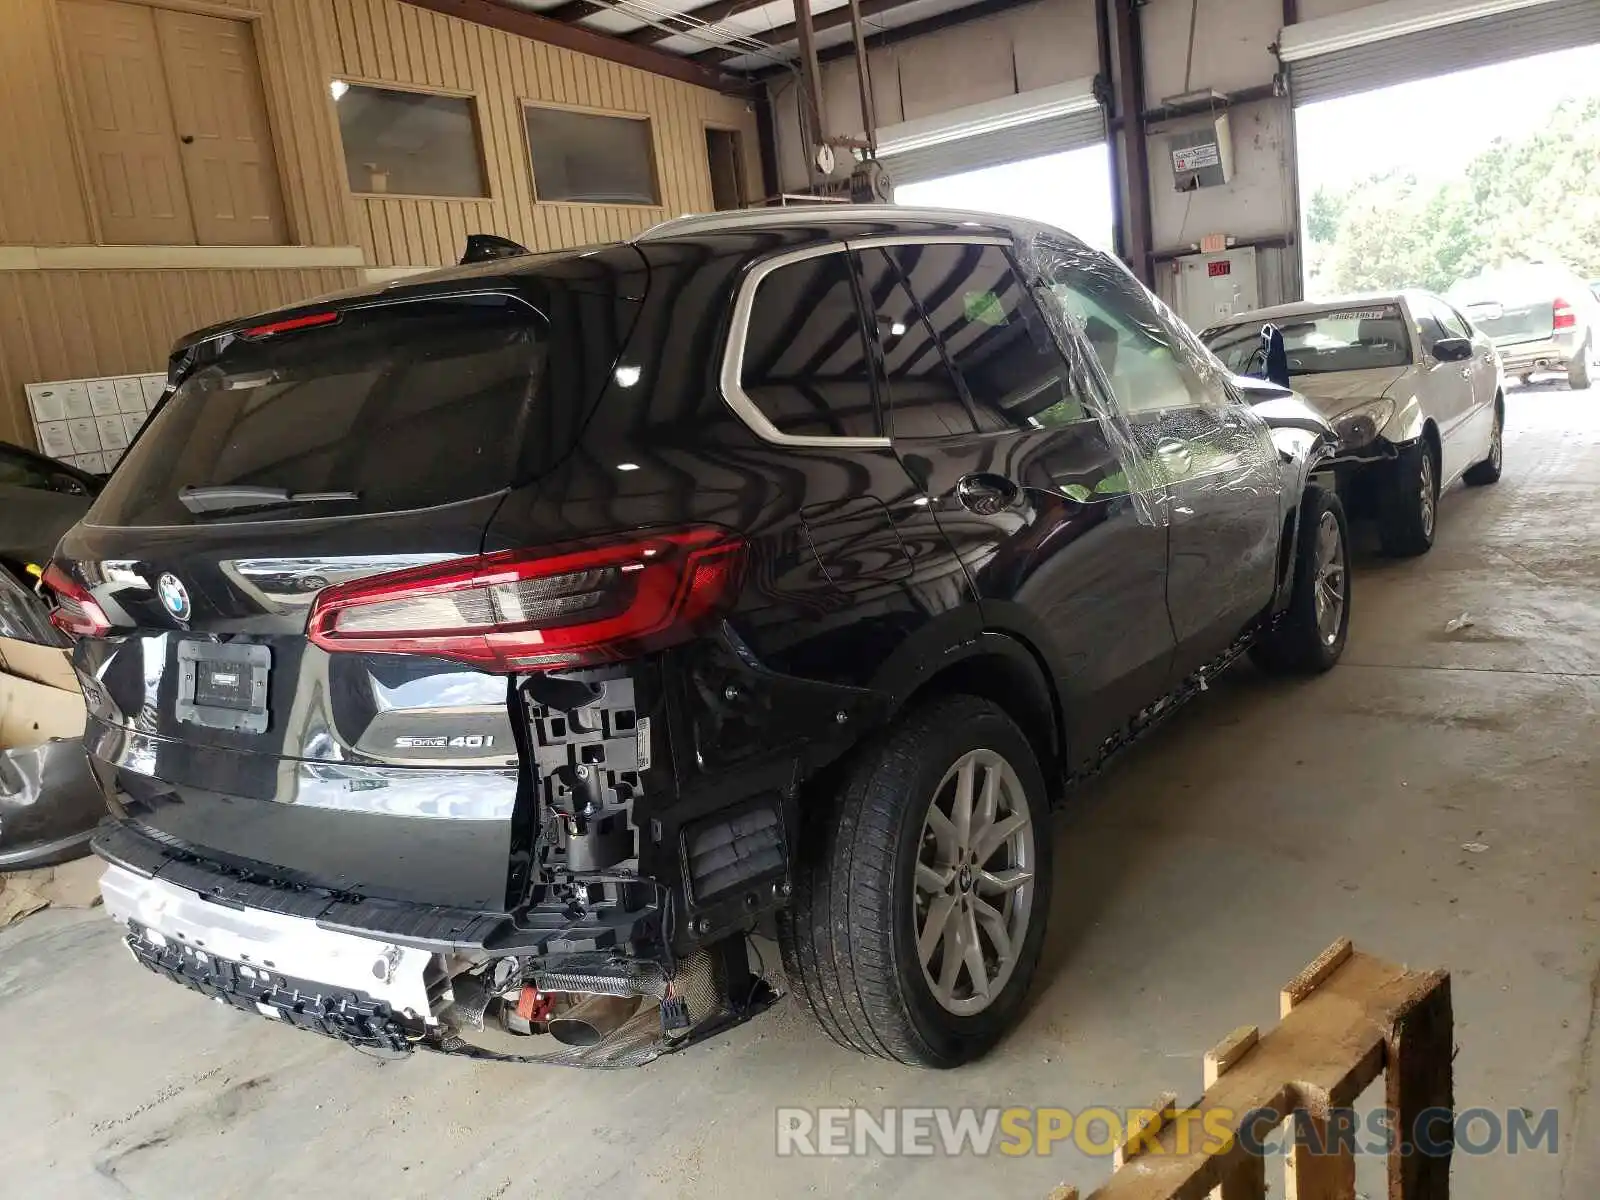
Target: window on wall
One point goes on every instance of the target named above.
(409, 143)
(171, 115)
(591, 158)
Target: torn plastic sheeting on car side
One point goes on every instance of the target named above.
(1174, 448)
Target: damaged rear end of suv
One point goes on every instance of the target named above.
(376, 768)
(476, 662)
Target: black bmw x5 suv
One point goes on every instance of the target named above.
(475, 661)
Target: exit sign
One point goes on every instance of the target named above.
(1220, 267)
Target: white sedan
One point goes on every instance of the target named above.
(1413, 390)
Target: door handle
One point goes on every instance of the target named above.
(986, 495)
(187, 139)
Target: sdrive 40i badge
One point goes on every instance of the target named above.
(460, 741)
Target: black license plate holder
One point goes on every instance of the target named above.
(223, 686)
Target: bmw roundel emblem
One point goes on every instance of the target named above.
(174, 596)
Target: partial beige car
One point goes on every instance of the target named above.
(1541, 317)
(1414, 392)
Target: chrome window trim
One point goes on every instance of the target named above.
(733, 393)
(930, 239)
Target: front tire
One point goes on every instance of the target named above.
(1411, 502)
(931, 869)
(1310, 635)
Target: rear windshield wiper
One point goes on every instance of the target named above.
(227, 497)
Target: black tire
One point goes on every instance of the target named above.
(1406, 524)
(1578, 370)
(1297, 644)
(1488, 471)
(851, 962)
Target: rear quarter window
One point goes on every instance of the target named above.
(410, 405)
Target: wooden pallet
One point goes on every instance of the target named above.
(1347, 1018)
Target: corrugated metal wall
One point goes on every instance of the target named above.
(57, 324)
(1032, 46)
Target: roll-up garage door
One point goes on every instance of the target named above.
(1029, 125)
(1318, 73)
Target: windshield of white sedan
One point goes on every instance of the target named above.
(1340, 339)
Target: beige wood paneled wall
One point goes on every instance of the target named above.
(65, 324)
(388, 41)
(43, 203)
(41, 193)
(82, 324)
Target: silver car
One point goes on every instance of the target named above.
(1542, 318)
(1412, 390)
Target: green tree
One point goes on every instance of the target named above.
(1324, 214)
(1531, 198)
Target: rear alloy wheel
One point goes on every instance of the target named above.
(974, 882)
(1488, 471)
(1310, 635)
(1411, 507)
(922, 892)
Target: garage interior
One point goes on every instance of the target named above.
(1433, 798)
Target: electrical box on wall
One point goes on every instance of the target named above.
(1202, 156)
(1214, 287)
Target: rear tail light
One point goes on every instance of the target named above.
(1562, 316)
(524, 610)
(76, 611)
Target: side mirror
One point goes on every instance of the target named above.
(1453, 349)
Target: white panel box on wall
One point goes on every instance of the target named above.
(89, 422)
(1214, 287)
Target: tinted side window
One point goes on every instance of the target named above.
(805, 359)
(922, 395)
(993, 334)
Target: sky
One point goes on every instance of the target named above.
(1433, 127)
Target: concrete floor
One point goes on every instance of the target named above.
(1204, 871)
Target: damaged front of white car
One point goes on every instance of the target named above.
(1414, 394)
